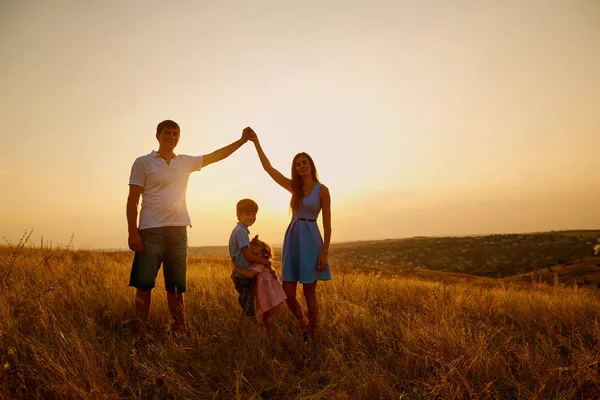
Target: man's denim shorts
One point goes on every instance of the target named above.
(167, 246)
(245, 288)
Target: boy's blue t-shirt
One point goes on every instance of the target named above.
(240, 238)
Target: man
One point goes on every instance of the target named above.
(161, 178)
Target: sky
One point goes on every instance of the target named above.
(423, 117)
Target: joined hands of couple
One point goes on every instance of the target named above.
(248, 134)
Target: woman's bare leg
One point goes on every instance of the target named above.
(293, 304)
(310, 294)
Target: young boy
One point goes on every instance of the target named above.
(242, 257)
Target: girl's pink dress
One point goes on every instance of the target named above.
(269, 292)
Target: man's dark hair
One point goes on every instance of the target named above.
(167, 123)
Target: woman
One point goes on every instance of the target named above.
(304, 254)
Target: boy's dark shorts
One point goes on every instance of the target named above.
(167, 246)
(245, 287)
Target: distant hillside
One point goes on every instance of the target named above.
(491, 255)
(585, 272)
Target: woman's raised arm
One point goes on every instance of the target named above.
(266, 164)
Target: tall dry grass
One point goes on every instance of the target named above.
(65, 332)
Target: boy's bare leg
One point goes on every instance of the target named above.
(175, 301)
(142, 310)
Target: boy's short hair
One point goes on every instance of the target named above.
(167, 123)
(246, 206)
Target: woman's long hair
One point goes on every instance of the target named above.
(298, 183)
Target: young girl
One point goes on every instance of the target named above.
(268, 291)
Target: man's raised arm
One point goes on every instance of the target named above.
(226, 151)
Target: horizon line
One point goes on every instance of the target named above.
(278, 245)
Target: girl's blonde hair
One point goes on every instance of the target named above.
(266, 251)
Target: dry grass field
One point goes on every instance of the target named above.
(65, 333)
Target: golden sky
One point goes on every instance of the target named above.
(423, 117)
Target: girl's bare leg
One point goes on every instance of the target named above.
(270, 319)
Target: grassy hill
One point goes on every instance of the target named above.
(490, 255)
(385, 332)
(584, 272)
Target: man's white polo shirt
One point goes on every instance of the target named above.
(163, 188)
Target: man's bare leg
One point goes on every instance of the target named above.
(175, 301)
(142, 310)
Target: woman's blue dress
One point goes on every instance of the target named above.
(303, 243)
